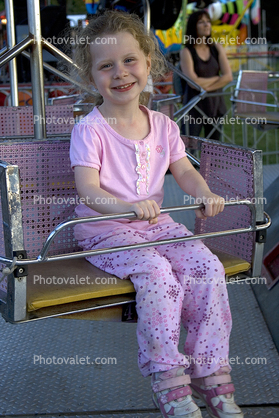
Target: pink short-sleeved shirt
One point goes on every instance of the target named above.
(131, 170)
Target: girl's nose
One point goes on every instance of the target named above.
(120, 71)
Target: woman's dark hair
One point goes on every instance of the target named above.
(191, 30)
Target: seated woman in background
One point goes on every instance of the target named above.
(206, 63)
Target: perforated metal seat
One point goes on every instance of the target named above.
(48, 197)
(251, 100)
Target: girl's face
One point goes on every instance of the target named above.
(203, 26)
(119, 68)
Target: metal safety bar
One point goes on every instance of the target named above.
(254, 103)
(42, 257)
(257, 103)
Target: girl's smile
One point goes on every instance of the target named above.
(124, 88)
(119, 69)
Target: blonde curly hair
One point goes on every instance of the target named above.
(109, 23)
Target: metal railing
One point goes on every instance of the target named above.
(42, 257)
(233, 130)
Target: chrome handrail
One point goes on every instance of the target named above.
(42, 257)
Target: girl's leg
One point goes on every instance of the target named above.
(205, 310)
(207, 318)
(159, 297)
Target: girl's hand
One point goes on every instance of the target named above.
(146, 210)
(213, 203)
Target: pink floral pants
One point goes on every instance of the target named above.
(175, 282)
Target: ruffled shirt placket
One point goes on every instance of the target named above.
(143, 166)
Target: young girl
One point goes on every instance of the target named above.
(120, 153)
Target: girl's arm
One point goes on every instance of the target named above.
(226, 72)
(192, 183)
(187, 67)
(88, 186)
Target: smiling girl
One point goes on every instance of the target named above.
(120, 167)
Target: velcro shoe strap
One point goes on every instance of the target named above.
(217, 380)
(224, 389)
(171, 383)
(170, 373)
(176, 394)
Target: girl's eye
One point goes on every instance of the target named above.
(105, 66)
(129, 59)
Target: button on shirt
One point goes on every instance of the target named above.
(131, 170)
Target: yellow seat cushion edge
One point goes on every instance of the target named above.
(45, 296)
(62, 296)
(232, 265)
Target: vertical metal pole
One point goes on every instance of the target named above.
(147, 18)
(13, 238)
(37, 72)
(11, 41)
(258, 195)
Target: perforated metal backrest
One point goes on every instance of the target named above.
(18, 121)
(229, 172)
(48, 192)
(251, 80)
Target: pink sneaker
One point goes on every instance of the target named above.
(216, 391)
(172, 394)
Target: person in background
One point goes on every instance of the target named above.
(205, 62)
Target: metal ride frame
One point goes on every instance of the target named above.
(13, 305)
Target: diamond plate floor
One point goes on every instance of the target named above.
(118, 390)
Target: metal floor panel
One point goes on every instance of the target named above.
(257, 412)
(119, 390)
